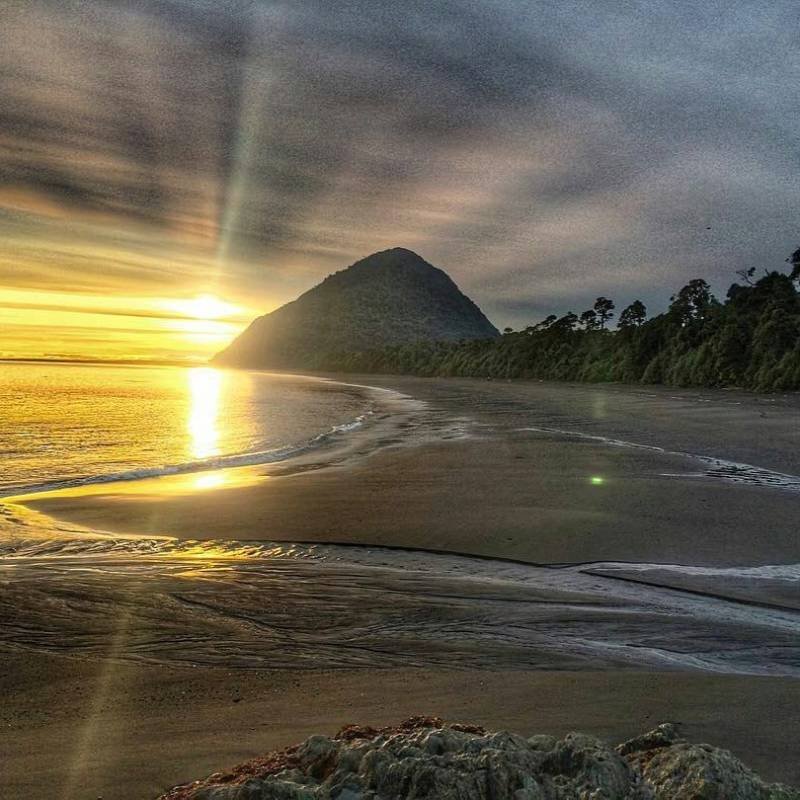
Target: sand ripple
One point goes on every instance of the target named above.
(276, 605)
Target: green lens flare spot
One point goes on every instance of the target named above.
(596, 480)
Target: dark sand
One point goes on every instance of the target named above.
(508, 493)
(123, 730)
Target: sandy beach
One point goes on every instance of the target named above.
(130, 731)
(629, 483)
(493, 487)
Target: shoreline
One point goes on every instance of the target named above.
(242, 468)
(430, 502)
(517, 499)
(381, 405)
(565, 493)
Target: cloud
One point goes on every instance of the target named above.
(539, 152)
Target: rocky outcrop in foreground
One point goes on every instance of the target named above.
(426, 758)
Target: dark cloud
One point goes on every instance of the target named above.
(540, 152)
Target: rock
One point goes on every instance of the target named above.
(426, 759)
(684, 771)
(662, 736)
(583, 766)
(318, 756)
(542, 741)
(675, 769)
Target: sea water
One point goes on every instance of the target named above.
(66, 424)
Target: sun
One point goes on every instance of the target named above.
(204, 306)
(204, 319)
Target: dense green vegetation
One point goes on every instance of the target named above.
(751, 340)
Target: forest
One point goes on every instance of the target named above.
(751, 340)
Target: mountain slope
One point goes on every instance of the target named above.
(391, 297)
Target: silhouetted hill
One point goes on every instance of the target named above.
(389, 298)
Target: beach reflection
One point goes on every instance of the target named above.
(148, 489)
(205, 385)
(209, 480)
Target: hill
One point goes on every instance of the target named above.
(390, 298)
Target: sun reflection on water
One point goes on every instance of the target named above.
(209, 480)
(205, 385)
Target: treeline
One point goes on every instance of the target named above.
(751, 340)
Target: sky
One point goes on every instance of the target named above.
(171, 169)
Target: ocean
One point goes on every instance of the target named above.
(72, 424)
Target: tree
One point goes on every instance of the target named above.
(604, 308)
(633, 316)
(589, 320)
(794, 260)
(566, 323)
(692, 302)
(546, 322)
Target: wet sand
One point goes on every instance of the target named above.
(266, 605)
(520, 471)
(503, 491)
(89, 729)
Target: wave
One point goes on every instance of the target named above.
(250, 458)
